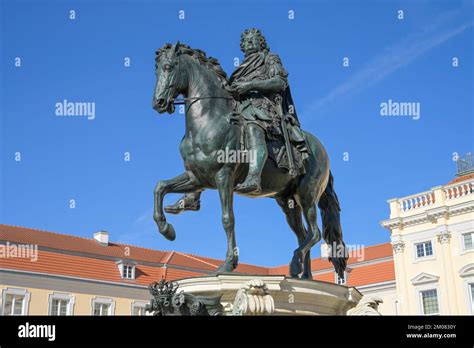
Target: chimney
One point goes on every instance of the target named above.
(102, 237)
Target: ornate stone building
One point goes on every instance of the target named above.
(432, 238)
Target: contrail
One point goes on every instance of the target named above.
(385, 63)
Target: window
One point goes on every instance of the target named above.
(13, 304)
(467, 240)
(15, 301)
(429, 301)
(424, 249)
(101, 309)
(103, 306)
(128, 271)
(471, 292)
(137, 310)
(60, 304)
(341, 281)
(59, 307)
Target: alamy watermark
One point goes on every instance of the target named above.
(37, 331)
(21, 251)
(236, 156)
(353, 251)
(67, 108)
(393, 108)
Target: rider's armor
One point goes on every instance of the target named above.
(261, 108)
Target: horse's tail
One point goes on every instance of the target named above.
(332, 231)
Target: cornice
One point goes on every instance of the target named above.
(429, 215)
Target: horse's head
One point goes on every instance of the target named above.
(167, 78)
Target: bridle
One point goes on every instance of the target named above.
(182, 101)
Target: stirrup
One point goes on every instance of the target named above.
(182, 205)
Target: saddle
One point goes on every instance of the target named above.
(276, 147)
(278, 153)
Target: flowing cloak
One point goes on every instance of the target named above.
(262, 66)
(261, 108)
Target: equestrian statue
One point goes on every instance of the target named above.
(252, 111)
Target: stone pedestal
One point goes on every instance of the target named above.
(273, 294)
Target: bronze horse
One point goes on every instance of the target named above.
(209, 103)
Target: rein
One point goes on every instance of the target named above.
(182, 101)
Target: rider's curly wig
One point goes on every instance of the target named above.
(254, 31)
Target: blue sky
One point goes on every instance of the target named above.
(65, 158)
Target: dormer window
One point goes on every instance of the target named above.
(127, 269)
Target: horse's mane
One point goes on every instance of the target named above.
(201, 57)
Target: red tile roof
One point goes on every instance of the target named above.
(372, 274)
(77, 244)
(462, 178)
(364, 275)
(80, 267)
(370, 253)
(74, 256)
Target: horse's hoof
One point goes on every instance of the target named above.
(295, 270)
(168, 232)
(296, 266)
(225, 268)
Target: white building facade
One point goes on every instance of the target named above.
(432, 237)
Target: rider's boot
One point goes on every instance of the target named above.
(190, 201)
(252, 182)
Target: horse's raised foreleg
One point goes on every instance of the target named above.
(185, 182)
(190, 201)
(225, 185)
